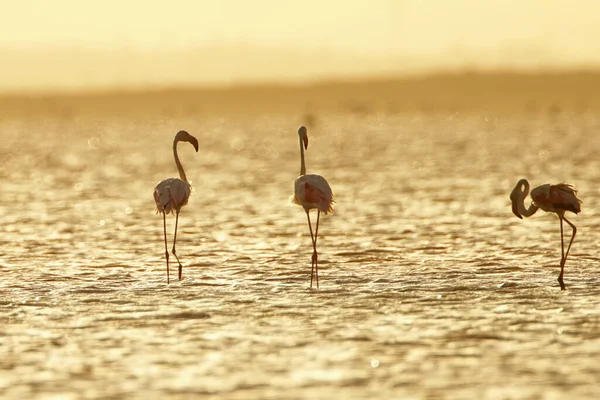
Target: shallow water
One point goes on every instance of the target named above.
(429, 286)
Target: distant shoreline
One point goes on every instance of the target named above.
(529, 91)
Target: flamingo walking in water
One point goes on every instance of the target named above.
(173, 193)
(312, 191)
(550, 198)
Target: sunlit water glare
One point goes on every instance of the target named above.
(430, 286)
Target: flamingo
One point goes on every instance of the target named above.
(312, 191)
(173, 193)
(550, 198)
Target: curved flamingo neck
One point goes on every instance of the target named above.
(302, 162)
(177, 162)
(525, 212)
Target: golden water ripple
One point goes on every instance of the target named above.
(430, 287)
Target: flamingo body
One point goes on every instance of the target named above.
(556, 199)
(171, 194)
(313, 191)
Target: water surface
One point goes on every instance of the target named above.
(430, 286)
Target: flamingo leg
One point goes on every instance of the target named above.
(315, 255)
(175, 241)
(564, 261)
(562, 246)
(312, 266)
(166, 249)
(562, 255)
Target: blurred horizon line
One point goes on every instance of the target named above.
(72, 69)
(465, 91)
(417, 78)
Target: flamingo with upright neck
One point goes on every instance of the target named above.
(312, 191)
(173, 193)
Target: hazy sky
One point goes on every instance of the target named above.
(387, 25)
(566, 31)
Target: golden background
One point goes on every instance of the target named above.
(422, 115)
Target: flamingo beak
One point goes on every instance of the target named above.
(305, 141)
(515, 210)
(194, 143)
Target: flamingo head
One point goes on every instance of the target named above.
(518, 194)
(183, 136)
(303, 136)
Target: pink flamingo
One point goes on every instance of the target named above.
(173, 193)
(312, 191)
(550, 198)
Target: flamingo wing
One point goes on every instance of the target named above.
(313, 191)
(171, 194)
(561, 197)
(321, 197)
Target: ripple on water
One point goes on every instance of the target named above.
(429, 286)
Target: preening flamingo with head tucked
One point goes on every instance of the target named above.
(550, 198)
(173, 193)
(312, 191)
